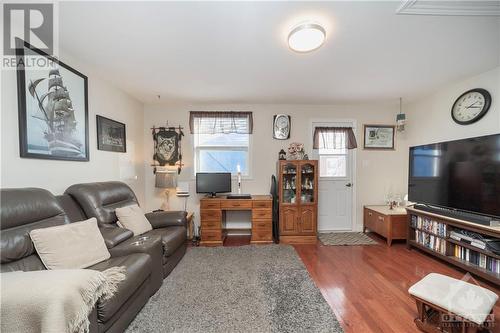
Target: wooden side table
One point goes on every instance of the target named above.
(389, 223)
(190, 225)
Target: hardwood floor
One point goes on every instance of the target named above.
(367, 286)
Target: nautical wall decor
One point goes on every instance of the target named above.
(111, 135)
(52, 106)
(167, 146)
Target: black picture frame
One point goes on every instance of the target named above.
(385, 142)
(71, 153)
(118, 130)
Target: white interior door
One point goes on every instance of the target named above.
(336, 186)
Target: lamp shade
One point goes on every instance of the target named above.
(166, 179)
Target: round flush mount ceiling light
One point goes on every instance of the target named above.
(306, 37)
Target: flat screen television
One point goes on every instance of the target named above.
(461, 175)
(213, 183)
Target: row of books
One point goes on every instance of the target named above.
(427, 224)
(476, 258)
(430, 241)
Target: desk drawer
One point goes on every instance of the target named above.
(262, 224)
(262, 235)
(236, 204)
(209, 204)
(263, 204)
(211, 225)
(210, 215)
(211, 235)
(262, 214)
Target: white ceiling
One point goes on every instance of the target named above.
(236, 52)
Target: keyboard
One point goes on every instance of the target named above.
(239, 196)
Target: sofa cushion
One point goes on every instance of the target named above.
(100, 200)
(22, 210)
(74, 245)
(138, 269)
(172, 238)
(132, 218)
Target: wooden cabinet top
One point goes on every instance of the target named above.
(384, 210)
(254, 198)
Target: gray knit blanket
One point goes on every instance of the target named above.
(54, 300)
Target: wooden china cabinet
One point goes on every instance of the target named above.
(298, 201)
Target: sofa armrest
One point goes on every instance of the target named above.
(167, 219)
(115, 235)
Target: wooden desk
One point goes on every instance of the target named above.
(213, 218)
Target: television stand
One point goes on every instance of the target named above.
(435, 234)
(458, 214)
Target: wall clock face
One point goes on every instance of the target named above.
(471, 106)
(281, 127)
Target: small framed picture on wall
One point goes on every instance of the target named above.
(380, 137)
(111, 135)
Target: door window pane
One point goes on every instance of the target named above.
(333, 166)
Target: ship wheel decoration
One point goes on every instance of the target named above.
(167, 146)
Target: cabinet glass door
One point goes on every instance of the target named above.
(307, 183)
(289, 190)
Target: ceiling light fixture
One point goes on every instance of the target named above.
(306, 37)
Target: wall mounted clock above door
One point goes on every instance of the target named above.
(471, 106)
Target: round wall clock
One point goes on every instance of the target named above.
(281, 127)
(471, 106)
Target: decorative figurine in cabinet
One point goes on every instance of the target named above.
(298, 200)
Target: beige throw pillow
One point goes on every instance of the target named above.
(74, 245)
(133, 218)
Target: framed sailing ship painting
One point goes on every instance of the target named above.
(53, 107)
(111, 135)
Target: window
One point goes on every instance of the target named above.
(332, 145)
(333, 161)
(221, 143)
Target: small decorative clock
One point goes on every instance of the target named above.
(281, 127)
(471, 106)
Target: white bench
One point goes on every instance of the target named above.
(444, 302)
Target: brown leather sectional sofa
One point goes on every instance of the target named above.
(147, 261)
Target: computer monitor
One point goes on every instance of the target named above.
(213, 183)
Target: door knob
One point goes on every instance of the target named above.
(348, 185)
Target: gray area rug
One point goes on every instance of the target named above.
(238, 289)
(346, 238)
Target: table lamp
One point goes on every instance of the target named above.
(166, 179)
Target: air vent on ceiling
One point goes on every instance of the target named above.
(465, 8)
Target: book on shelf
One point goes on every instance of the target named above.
(429, 225)
(476, 258)
(430, 241)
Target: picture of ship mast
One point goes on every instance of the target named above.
(56, 110)
(53, 107)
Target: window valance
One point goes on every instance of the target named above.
(334, 138)
(216, 122)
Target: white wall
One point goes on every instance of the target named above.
(377, 171)
(56, 176)
(429, 118)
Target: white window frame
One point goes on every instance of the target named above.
(197, 149)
